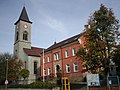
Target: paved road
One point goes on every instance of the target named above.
(82, 88)
(78, 86)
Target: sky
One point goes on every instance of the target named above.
(53, 20)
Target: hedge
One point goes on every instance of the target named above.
(45, 85)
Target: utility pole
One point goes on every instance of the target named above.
(43, 66)
(6, 81)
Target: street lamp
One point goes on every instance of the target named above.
(6, 81)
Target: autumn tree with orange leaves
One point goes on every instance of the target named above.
(14, 67)
(100, 35)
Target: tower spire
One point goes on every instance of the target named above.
(23, 16)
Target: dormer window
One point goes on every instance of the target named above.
(25, 35)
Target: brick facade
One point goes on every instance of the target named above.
(61, 58)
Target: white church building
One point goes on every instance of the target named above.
(30, 56)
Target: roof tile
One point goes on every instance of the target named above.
(34, 51)
(64, 42)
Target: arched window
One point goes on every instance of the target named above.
(25, 35)
(67, 68)
(73, 51)
(57, 68)
(49, 71)
(35, 67)
(44, 72)
(75, 65)
(17, 35)
(66, 53)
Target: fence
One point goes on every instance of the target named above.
(104, 88)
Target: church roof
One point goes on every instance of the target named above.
(34, 51)
(23, 16)
(64, 42)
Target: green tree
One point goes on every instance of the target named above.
(100, 40)
(24, 73)
(4, 56)
(13, 67)
(116, 59)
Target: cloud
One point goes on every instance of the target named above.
(56, 25)
(47, 19)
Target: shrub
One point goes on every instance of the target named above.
(42, 85)
(46, 85)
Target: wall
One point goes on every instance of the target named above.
(63, 60)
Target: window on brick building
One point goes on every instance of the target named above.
(57, 68)
(49, 71)
(44, 60)
(66, 53)
(75, 65)
(56, 56)
(73, 51)
(44, 72)
(79, 40)
(67, 68)
(48, 59)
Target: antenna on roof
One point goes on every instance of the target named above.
(55, 41)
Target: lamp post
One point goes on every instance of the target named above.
(6, 81)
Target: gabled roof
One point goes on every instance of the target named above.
(23, 16)
(64, 42)
(34, 51)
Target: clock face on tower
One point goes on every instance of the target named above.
(25, 26)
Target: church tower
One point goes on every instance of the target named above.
(30, 56)
(22, 34)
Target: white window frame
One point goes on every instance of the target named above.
(79, 41)
(49, 71)
(73, 51)
(56, 56)
(44, 72)
(75, 65)
(67, 68)
(48, 59)
(44, 60)
(66, 53)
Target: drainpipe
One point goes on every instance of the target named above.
(43, 66)
(62, 62)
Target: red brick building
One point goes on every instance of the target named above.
(60, 58)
